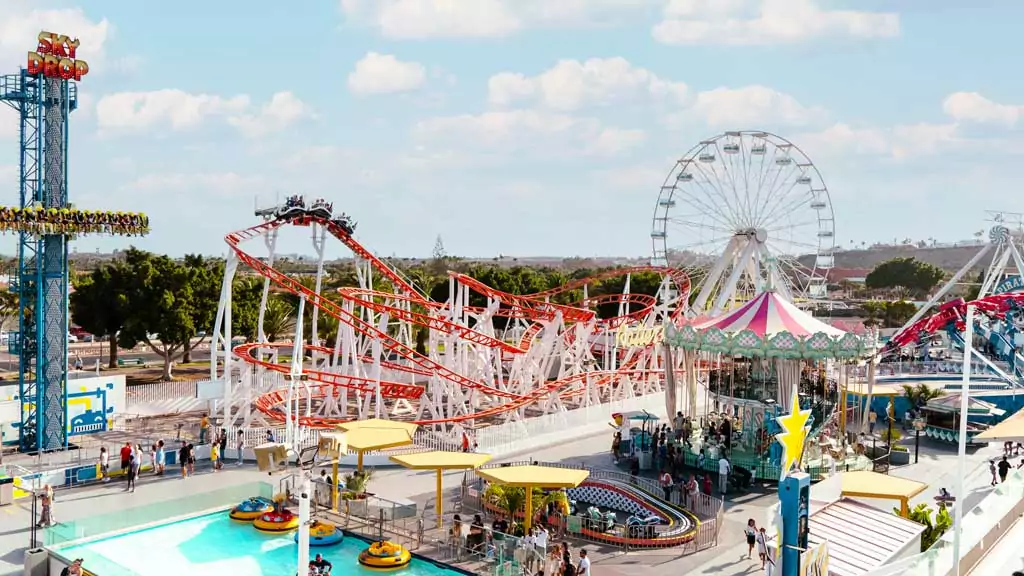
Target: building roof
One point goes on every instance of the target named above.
(860, 537)
(868, 484)
(768, 314)
(379, 423)
(440, 460)
(535, 476)
(369, 439)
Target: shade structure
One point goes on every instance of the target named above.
(533, 476)
(975, 407)
(1009, 430)
(364, 440)
(769, 314)
(379, 423)
(867, 484)
(439, 461)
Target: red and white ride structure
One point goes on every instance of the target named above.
(547, 357)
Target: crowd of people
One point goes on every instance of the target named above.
(73, 221)
(533, 551)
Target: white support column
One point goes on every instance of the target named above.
(270, 240)
(729, 289)
(319, 241)
(714, 275)
(220, 346)
(305, 518)
(949, 286)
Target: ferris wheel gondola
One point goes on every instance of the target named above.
(744, 212)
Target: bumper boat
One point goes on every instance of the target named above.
(251, 509)
(276, 522)
(385, 555)
(323, 534)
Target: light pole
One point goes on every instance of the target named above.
(918, 426)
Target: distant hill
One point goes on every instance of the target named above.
(949, 258)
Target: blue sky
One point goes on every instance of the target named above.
(526, 127)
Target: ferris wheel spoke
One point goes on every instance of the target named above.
(782, 206)
(788, 209)
(715, 189)
(778, 185)
(703, 196)
(691, 223)
(725, 159)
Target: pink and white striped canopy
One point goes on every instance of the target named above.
(767, 315)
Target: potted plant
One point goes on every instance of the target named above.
(355, 494)
(511, 501)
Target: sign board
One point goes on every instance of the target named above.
(1009, 284)
(814, 562)
(639, 337)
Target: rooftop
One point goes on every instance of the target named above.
(539, 476)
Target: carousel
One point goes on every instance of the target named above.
(752, 360)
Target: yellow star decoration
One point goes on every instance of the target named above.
(795, 432)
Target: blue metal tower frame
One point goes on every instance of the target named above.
(43, 105)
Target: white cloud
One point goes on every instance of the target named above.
(973, 107)
(188, 184)
(8, 122)
(766, 22)
(899, 142)
(283, 110)
(385, 74)
(20, 25)
(526, 129)
(127, 111)
(737, 108)
(571, 84)
(179, 110)
(409, 19)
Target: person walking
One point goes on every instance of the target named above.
(104, 464)
(240, 445)
(724, 468)
(666, 485)
(1004, 469)
(751, 533)
(762, 547)
(134, 466)
(992, 471)
(45, 507)
(161, 458)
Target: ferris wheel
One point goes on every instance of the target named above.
(744, 212)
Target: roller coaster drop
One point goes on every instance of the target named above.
(549, 357)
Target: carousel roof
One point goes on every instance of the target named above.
(768, 314)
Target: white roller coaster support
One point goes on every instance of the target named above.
(295, 381)
(319, 237)
(948, 286)
(220, 345)
(270, 241)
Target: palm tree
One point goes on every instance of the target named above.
(511, 500)
(279, 318)
(920, 394)
(8, 306)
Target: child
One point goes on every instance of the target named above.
(214, 449)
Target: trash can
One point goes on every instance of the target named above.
(6, 491)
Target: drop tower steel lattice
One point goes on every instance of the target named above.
(41, 283)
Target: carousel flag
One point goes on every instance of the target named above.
(794, 434)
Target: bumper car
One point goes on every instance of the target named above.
(385, 555)
(277, 522)
(251, 509)
(323, 534)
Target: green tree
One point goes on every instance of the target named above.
(279, 318)
(205, 278)
(8, 307)
(159, 295)
(933, 528)
(919, 395)
(246, 294)
(99, 303)
(916, 276)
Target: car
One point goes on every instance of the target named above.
(72, 339)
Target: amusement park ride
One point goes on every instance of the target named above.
(44, 94)
(999, 309)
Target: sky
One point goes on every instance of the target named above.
(524, 127)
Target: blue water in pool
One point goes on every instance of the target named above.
(216, 545)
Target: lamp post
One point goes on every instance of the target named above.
(918, 426)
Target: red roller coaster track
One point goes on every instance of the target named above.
(955, 311)
(535, 308)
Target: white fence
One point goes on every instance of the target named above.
(512, 437)
(533, 433)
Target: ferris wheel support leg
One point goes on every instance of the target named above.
(947, 287)
(220, 347)
(715, 275)
(729, 289)
(995, 270)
